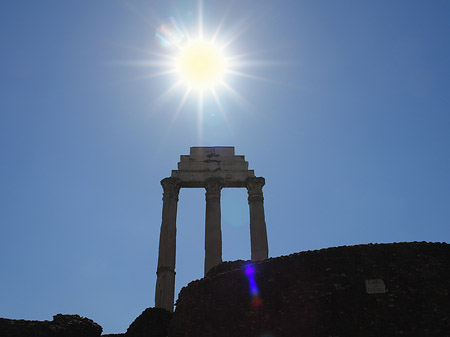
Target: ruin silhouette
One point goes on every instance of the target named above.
(212, 168)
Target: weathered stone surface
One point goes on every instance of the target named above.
(204, 163)
(153, 322)
(198, 178)
(61, 326)
(227, 266)
(258, 232)
(165, 283)
(213, 231)
(323, 293)
(208, 153)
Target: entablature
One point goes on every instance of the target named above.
(205, 163)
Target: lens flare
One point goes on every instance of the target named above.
(254, 291)
(169, 35)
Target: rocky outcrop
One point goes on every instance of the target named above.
(153, 322)
(61, 326)
(399, 289)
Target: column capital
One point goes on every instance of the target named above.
(254, 187)
(213, 187)
(171, 187)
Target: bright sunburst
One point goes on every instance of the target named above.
(201, 62)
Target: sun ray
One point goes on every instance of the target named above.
(247, 54)
(200, 19)
(219, 104)
(166, 56)
(200, 116)
(216, 98)
(235, 37)
(238, 98)
(183, 27)
(144, 77)
(200, 102)
(162, 73)
(262, 79)
(242, 30)
(142, 63)
(180, 106)
(259, 63)
(159, 99)
(253, 77)
(246, 75)
(219, 27)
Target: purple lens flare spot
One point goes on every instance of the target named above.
(254, 291)
(249, 270)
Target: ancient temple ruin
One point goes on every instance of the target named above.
(212, 168)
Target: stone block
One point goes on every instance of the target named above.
(234, 166)
(196, 178)
(212, 166)
(217, 158)
(219, 153)
(197, 166)
(184, 158)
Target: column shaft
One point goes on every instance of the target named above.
(258, 231)
(165, 282)
(213, 231)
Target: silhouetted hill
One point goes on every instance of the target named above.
(366, 290)
(61, 326)
(399, 289)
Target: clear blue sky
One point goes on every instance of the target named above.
(351, 130)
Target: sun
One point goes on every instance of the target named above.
(201, 64)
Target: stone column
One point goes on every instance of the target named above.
(258, 232)
(165, 282)
(213, 232)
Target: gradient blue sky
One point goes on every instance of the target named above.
(351, 132)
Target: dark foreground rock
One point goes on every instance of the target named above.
(153, 322)
(370, 290)
(61, 326)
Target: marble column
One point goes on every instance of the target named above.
(258, 232)
(213, 231)
(165, 282)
